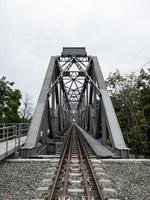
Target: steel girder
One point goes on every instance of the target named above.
(101, 118)
(74, 91)
(52, 112)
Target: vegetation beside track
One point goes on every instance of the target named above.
(130, 94)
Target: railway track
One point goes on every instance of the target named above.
(75, 178)
(78, 174)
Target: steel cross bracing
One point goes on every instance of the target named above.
(74, 91)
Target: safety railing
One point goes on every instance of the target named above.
(12, 134)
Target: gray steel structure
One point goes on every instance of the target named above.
(74, 91)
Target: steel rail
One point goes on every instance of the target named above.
(83, 154)
(88, 196)
(51, 191)
(67, 170)
(90, 167)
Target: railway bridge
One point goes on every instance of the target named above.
(74, 92)
(74, 122)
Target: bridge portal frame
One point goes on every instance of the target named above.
(53, 113)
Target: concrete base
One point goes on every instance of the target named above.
(26, 152)
(54, 147)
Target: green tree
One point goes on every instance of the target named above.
(9, 102)
(131, 99)
(143, 86)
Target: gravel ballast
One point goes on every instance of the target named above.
(18, 180)
(130, 179)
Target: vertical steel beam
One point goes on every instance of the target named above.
(87, 106)
(94, 106)
(112, 121)
(51, 134)
(103, 124)
(36, 123)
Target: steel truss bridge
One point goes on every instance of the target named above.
(73, 92)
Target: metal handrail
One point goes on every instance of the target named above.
(7, 127)
(16, 131)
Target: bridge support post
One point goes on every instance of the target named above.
(103, 124)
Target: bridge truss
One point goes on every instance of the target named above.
(74, 91)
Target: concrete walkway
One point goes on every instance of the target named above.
(99, 149)
(11, 147)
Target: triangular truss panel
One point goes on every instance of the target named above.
(74, 91)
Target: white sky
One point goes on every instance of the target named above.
(117, 31)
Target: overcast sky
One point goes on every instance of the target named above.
(31, 31)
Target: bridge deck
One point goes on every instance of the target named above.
(11, 147)
(99, 149)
